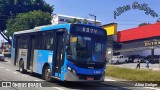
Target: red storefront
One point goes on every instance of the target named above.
(138, 33)
(140, 38)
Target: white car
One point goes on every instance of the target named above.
(1, 56)
(118, 59)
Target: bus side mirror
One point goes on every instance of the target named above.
(67, 43)
(68, 40)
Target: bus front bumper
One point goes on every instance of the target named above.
(81, 77)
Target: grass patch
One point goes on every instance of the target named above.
(132, 74)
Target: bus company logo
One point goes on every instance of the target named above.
(21, 84)
(91, 67)
(97, 72)
(144, 7)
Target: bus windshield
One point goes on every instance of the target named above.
(84, 48)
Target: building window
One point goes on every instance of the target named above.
(79, 22)
(67, 20)
(61, 20)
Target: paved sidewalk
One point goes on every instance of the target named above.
(155, 67)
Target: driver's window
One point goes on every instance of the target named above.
(73, 41)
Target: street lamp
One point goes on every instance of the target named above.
(94, 18)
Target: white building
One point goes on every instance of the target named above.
(60, 19)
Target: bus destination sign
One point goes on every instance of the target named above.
(89, 30)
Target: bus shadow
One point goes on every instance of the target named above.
(78, 85)
(89, 85)
(3, 61)
(32, 74)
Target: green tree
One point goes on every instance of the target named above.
(143, 24)
(158, 20)
(10, 8)
(85, 21)
(75, 20)
(25, 21)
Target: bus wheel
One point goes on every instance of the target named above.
(21, 66)
(47, 74)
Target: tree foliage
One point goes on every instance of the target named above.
(10, 8)
(75, 20)
(25, 21)
(143, 24)
(85, 21)
(158, 20)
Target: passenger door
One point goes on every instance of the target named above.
(16, 43)
(58, 57)
(31, 46)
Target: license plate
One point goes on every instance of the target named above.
(90, 78)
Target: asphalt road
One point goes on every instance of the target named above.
(8, 73)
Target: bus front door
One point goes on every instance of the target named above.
(30, 56)
(58, 55)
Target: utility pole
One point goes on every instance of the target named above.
(94, 18)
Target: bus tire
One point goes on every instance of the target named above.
(47, 74)
(21, 66)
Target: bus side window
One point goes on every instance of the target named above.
(49, 40)
(39, 40)
(23, 42)
(49, 43)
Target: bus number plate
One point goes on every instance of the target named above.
(90, 78)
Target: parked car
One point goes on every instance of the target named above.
(156, 59)
(1, 56)
(118, 59)
(132, 57)
(139, 58)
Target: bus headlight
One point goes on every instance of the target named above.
(72, 70)
(69, 68)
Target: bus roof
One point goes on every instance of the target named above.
(45, 27)
(49, 27)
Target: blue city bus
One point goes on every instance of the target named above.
(67, 52)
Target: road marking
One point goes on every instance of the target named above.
(2, 67)
(36, 80)
(7, 69)
(15, 72)
(151, 88)
(24, 75)
(109, 79)
(58, 88)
